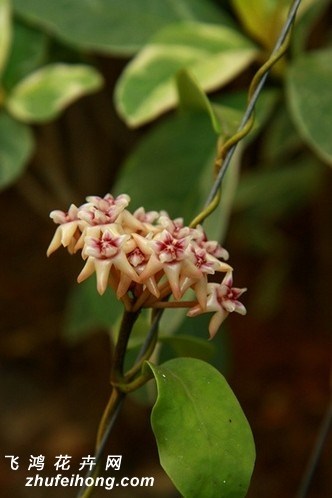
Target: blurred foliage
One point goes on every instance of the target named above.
(172, 54)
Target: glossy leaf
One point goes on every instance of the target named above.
(16, 146)
(213, 54)
(5, 32)
(193, 98)
(42, 95)
(27, 53)
(308, 85)
(204, 440)
(116, 27)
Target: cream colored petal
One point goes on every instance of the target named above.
(195, 311)
(88, 269)
(152, 285)
(153, 266)
(224, 267)
(200, 288)
(55, 242)
(122, 264)
(103, 267)
(124, 284)
(67, 232)
(216, 321)
(172, 272)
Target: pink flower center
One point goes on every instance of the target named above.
(107, 247)
(169, 249)
(136, 257)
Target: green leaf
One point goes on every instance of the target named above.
(282, 141)
(164, 172)
(42, 95)
(204, 440)
(16, 146)
(27, 53)
(213, 54)
(230, 108)
(186, 345)
(263, 19)
(193, 98)
(114, 27)
(271, 194)
(181, 148)
(308, 84)
(87, 310)
(5, 32)
(216, 352)
(307, 17)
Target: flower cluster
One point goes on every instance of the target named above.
(149, 259)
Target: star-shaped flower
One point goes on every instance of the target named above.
(103, 210)
(196, 270)
(102, 254)
(67, 232)
(221, 299)
(148, 256)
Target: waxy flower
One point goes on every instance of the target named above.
(104, 253)
(149, 259)
(67, 230)
(221, 299)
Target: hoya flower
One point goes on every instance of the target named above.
(139, 260)
(167, 254)
(174, 227)
(147, 258)
(148, 220)
(102, 210)
(102, 254)
(67, 232)
(211, 246)
(198, 267)
(222, 299)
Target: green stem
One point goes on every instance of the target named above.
(129, 387)
(115, 400)
(135, 369)
(122, 384)
(206, 211)
(131, 383)
(128, 320)
(105, 427)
